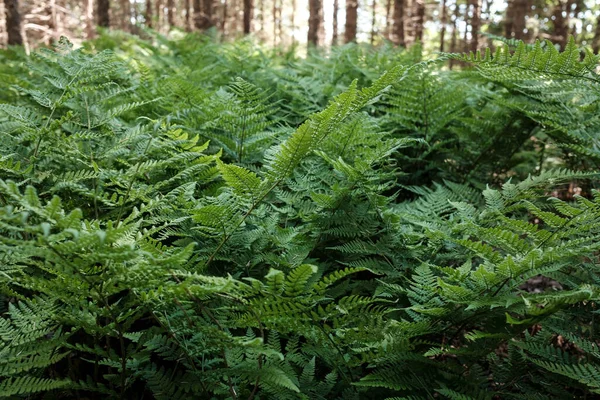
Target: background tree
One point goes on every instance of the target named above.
(248, 15)
(148, 14)
(514, 21)
(315, 22)
(334, 35)
(475, 24)
(419, 19)
(398, 25)
(351, 20)
(103, 8)
(13, 22)
(171, 13)
(443, 23)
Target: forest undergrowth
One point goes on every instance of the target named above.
(190, 219)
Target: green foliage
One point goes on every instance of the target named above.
(188, 219)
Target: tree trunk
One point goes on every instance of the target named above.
(454, 38)
(388, 9)
(373, 21)
(596, 41)
(398, 25)
(280, 21)
(334, 35)
(159, 14)
(148, 14)
(444, 22)
(203, 14)
(224, 20)
(248, 15)
(126, 15)
(261, 6)
(475, 25)
(13, 23)
(197, 14)
(514, 23)
(561, 23)
(351, 19)
(89, 19)
(315, 22)
(188, 21)
(103, 7)
(419, 20)
(171, 13)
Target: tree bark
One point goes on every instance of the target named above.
(261, 6)
(475, 25)
(334, 35)
(89, 19)
(561, 24)
(248, 15)
(126, 15)
(13, 23)
(148, 14)
(103, 7)
(351, 20)
(188, 20)
(171, 13)
(315, 22)
(398, 25)
(388, 9)
(514, 23)
(419, 20)
(596, 41)
(197, 14)
(373, 21)
(444, 22)
(203, 14)
(454, 37)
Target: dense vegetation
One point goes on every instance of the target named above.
(193, 220)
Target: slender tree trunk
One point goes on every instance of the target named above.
(188, 20)
(224, 20)
(351, 20)
(261, 6)
(53, 21)
(419, 20)
(197, 14)
(103, 7)
(126, 15)
(373, 21)
(444, 22)
(596, 41)
(234, 17)
(475, 25)
(280, 21)
(388, 10)
(171, 13)
(315, 22)
(398, 25)
(148, 14)
(248, 15)
(334, 35)
(13, 22)
(454, 34)
(89, 19)
(159, 14)
(509, 19)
